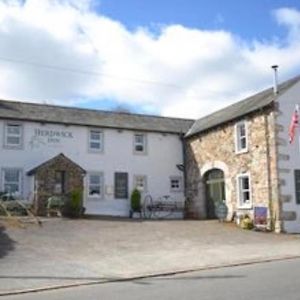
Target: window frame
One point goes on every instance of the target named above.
(101, 141)
(180, 182)
(144, 144)
(20, 177)
(136, 178)
(101, 184)
(241, 204)
(6, 145)
(238, 137)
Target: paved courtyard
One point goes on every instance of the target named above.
(76, 251)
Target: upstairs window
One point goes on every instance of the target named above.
(176, 184)
(140, 143)
(244, 191)
(13, 135)
(241, 137)
(96, 140)
(11, 181)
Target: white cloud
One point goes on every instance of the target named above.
(179, 71)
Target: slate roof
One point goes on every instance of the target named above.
(241, 108)
(94, 118)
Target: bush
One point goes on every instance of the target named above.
(135, 200)
(72, 207)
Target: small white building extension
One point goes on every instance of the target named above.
(117, 151)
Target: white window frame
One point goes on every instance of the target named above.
(144, 179)
(6, 135)
(238, 137)
(144, 144)
(20, 181)
(101, 185)
(100, 141)
(241, 203)
(180, 182)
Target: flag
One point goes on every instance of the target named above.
(294, 124)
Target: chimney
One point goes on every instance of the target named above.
(275, 84)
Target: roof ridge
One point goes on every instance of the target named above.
(94, 110)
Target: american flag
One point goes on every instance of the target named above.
(294, 124)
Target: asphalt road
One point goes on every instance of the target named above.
(273, 280)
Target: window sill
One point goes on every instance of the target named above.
(242, 151)
(245, 207)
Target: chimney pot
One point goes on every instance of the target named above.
(275, 84)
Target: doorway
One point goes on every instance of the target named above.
(214, 191)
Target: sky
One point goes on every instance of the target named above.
(169, 57)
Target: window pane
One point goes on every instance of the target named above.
(13, 140)
(11, 176)
(297, 185)
(243, 142)
(95, 145)
(94, 179)
(11, 188)
(95, 135)
(13, 129)
(139, 148)
(139, 138)
(94, 190)
(246, 196)
(245, 183)
(242, 130)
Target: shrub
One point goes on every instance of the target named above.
(135, 200)
(73, 205)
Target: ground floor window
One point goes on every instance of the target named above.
(244, 191)
(11, 181)
(121, 185)
(95, 185)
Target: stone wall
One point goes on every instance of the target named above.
(45, 181)
(215, 148)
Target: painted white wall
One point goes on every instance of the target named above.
(287, 104)
(164, 152)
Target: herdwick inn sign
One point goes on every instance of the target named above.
(47, 136)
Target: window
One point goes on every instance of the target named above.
(13, 135)
(95, 140)
(11, 181)
(241, 143)
(297, 185)
(244, 191)
(140, 182)
(95, 185)
(175, 184)
(140, 143)
(121, 185)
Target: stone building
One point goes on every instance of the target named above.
(241, 155)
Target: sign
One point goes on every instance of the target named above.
(260, 216)
(49, 137)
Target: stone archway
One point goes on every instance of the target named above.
(227, 185)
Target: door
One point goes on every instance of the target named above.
(121, 185)
(215, 191)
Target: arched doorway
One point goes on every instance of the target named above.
(214, 191)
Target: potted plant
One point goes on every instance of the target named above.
(135, 201)
(72, 207)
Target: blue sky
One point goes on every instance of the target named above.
(249, 19)
(173, 58)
